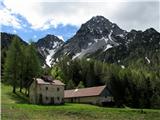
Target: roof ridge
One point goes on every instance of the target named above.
(88, 87)
(90, 91)
(54, 82)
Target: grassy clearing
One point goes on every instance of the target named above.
(15, 107)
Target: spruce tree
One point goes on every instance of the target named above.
(23, 67)
(32, 65)
(12, 67)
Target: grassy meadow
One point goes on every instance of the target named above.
(16, 107)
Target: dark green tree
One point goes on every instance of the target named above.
(70, 85)
(12, 67)
(32, 66)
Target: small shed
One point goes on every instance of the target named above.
(99, 95)
(45, 90)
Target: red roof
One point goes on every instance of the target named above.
(84, 92)
(54, 82)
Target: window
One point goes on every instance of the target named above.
(46, 98)
(57, 89)
(46, 88)
(52, 100)
(58, 98)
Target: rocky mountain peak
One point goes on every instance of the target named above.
(150, 31)
(49, 41)
(48, 45)
(97, 33)
(50, 37)
(98, 19)
(101, 25)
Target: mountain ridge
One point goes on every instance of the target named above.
(96, 33)
(100, 39)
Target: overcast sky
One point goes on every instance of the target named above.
(33, 20)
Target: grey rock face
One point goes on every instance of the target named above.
(97, 33)
(47, 47)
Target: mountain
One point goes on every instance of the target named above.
(47, 47)
(138, 45)
(6, 39)
(97, 33)
(101, 39)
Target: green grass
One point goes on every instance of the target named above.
(16, 107)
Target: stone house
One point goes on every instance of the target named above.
(45, 90)
(99, 95)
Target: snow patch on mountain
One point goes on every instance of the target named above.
(106, 40)
(76, 55)
(93, 47)
(103, 38)
(49, 57)
(89, 44)
(120, 35)
(109, 36)
(96, 40)
(48, 46)
(60, 37)
(55, 44)
(107, 47)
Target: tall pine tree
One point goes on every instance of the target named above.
(32, 65)
(12, 67)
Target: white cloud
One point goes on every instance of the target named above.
(43, 15)
(9, 19)
(60, 37)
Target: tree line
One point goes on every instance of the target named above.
(133, 85)
(21, 65)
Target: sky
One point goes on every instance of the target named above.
(34, 19)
